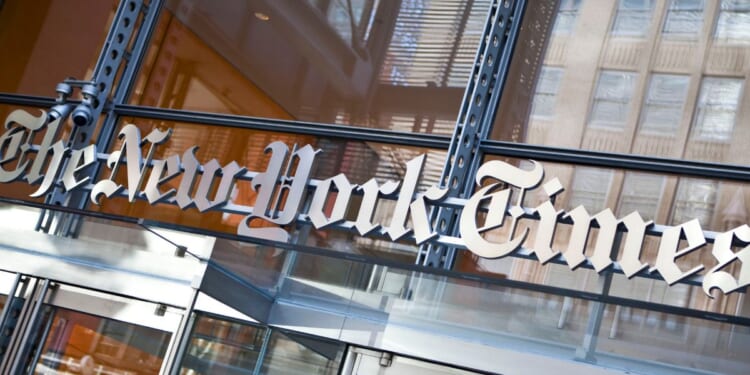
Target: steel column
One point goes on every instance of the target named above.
(475, 120)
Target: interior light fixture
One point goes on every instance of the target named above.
(262, 16)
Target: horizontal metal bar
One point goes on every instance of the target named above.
(491, 147)
(27, 100)
(298, 127)
(532, 287)
(614, 160)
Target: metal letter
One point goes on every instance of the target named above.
(722, 251)
(158, 177)
(75, 165)
(15, 142)
(58, 151)
(228, 173)
(35, 173)
(548, 216)
(320, 199)
(190, 164)
(631, 255)
(497, 208)
(420, 217)
(371, 191)
(290, 195)
(136, 167)
(472, 235)
(668, 250)
(398, 229)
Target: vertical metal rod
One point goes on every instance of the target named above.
(596, 313)
(263, 350)
(8, 302)
(20, 357)
(25, 308)
(182, 336)
(347, 363)
(47, 328)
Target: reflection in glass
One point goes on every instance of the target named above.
(633, 18)
(566, 16)
(35, 36)
(718, 103)
(590, 188)
(546, 91)
(734, 21)
(222, 347)
(684, 19)
(225, 347)
(78, 343)
(662, 110)
(614, 91)
(669, 94)
(689, 343)
(641, 192)
(695, 199)
(381, 64)
(295, 354)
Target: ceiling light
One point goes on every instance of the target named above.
(262, 16)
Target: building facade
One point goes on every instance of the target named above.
(374, 187)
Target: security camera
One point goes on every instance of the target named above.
(60, 111)
(82, 115)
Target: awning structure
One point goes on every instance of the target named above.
(467, 323)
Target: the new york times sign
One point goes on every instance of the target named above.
(209, 186)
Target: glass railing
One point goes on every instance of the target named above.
(230, 347)
(388, 300)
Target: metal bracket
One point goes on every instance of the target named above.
(474, 120)
(180, 250)
(115, 57)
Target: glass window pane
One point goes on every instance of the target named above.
(590, 188)
(218, 346)
(684, 19)
(695, 199)
(674, 95)
(612, 99)
(734, 21)
(566, 16)
(641, 192)
(45, 42)
(665, 100)
(546, 90)
(381, 64)
(82, 343)
(717, 109)
(633, 18)
(295, 354)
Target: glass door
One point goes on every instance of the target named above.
(73, 342)
(68, 330)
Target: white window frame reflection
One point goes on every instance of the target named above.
(615, 99)
(545, 95)
(733, 24)
(663, 106)
(590, 188)
(567, 14)
(695, 199)
(641, 192)
(716, 111)
(684, 19)
(633, 18)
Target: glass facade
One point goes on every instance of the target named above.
(265, 187)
